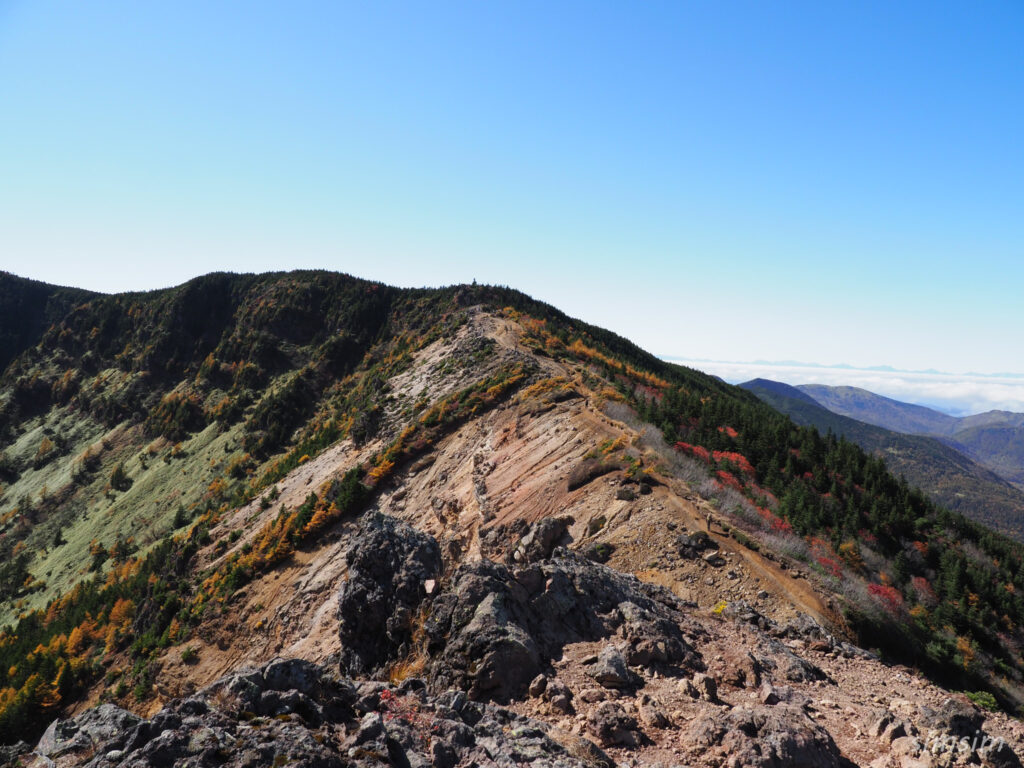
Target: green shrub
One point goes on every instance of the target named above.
(590, 469)
(983, 699)
(119, 479)
(745, 540)
(175, 416)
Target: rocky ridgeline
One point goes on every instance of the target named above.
(492, 628)
(292, 712)
(467, 648)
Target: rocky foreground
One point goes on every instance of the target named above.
(543, 657)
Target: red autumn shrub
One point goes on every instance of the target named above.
(831, 566)
(728, 479)
(737, 459)
(889, 597)
(697, 451)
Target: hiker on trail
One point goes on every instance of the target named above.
(708, 518)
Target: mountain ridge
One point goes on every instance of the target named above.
(994, 439)
(949, 475)
(191, 474)
(881, 411)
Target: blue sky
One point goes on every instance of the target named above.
(828, 182)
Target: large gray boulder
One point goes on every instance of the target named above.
(781, 736)
(610, 669)
(539, 541)
(65, 739)
(390, 564)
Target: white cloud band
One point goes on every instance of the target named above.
(957, 394)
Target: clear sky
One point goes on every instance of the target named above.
(818, 181)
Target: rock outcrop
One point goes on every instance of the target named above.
(493, 629)
(539, 541)
(771, 737)
(292, 712)
(390, 565)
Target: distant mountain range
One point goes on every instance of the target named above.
(994, 439)
(947, 471)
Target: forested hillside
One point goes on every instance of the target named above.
(993, 439)
(949, 476)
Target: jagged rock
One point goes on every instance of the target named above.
(538, 685)
(770, 695)
(477, 639)
(612, 725)
(490, 633)
(714, 559)
(780, 659)
(389, 562)
(686, 686)
(998, 753)
(895, 730)
(767, 695)
(559, 696)
(592, 695)
(706, 687)
(650, 638)
(10, 752)
(105, 723)
(799, 670)
(652, 714)
(880, 723)
(956, 728)
(804, 627)
(768, 736)
(744, 670)
(539, 541)
(690, 545)
(293, 674)
(745, 613)
(953, 716)
(852, 652)
(494, 540)
(371, 728)
(905, 746)
(581, 748)
(217, 727)
(611, 670)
